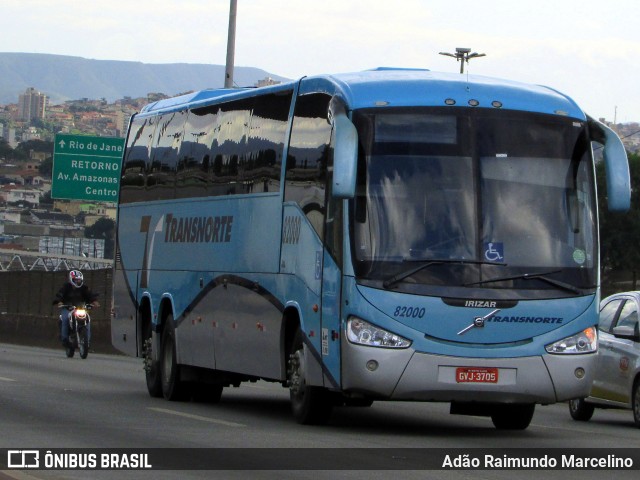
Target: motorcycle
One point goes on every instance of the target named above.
(79, 320)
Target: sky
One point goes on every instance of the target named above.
(587, 49)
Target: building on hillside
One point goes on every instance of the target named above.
(9, 134)
(265, 82)
(97, 210)
(31, 133)
(21, 196)
(32, 105)
(12, 215)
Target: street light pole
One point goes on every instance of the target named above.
(231, 45)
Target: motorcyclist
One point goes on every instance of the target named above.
(73, 292)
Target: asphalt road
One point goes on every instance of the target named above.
(48, 401)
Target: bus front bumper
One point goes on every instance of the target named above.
(405, 374)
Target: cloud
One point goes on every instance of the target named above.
(572, 43)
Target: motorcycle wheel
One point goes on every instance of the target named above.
(83, 343)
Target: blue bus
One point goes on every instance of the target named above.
(392, 234)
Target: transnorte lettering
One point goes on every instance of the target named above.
(553, 320)
(198, 229)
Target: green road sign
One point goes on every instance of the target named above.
(86, 167)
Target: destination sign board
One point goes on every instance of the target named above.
(86, 167)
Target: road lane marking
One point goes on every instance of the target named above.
(17, 475)
(5, 379)
(197, 417)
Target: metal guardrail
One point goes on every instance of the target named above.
(24, 260)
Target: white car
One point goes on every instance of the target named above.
(616, 382)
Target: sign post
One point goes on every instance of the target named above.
(86, 167)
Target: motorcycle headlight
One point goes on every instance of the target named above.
(81, 313)
(584, 342)
(363, 333)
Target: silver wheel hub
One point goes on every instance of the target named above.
(296, 373)
(147, 361)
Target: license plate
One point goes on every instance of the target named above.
(476, 375)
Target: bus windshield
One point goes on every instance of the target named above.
(485, 199)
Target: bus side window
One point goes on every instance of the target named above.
(265, 145)
(135, 160)
(161, 171)
(308, 159)
(193, 174)
(229, 147)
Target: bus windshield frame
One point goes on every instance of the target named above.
(454, 199)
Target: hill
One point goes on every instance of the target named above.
(70, 78)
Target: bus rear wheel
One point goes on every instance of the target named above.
(310, 405)
(173, 388)
(151, 366)
(513, 416)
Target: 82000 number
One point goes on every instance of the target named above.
(409, 312)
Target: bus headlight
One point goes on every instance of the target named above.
(363, 333)
(583, 342)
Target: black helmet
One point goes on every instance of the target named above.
(76, 278)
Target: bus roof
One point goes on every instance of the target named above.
(397, 87)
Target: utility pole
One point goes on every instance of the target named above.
(463, 55)
(231, 45)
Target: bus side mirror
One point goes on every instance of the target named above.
(616, 166)
(345, 155)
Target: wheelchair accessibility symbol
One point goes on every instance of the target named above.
(494, 251)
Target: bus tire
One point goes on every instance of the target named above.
(357, 402)
(172, 387)
(151, 366)
(310, 405)
(515, 416)
(580, 410)
(207, 392)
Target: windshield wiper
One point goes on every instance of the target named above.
(532, 276)
(402, 275)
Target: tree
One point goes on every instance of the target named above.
(35, 145)
(46, 167)
(104, 229)
(5, 149)
(620, 231)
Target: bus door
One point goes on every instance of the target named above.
(124, 321)
(331, 293)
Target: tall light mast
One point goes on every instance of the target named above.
(231, 45)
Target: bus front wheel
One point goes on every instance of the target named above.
(513, 416)
(310, 405)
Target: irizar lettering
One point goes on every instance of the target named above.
(198, 229)
(480, 303)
